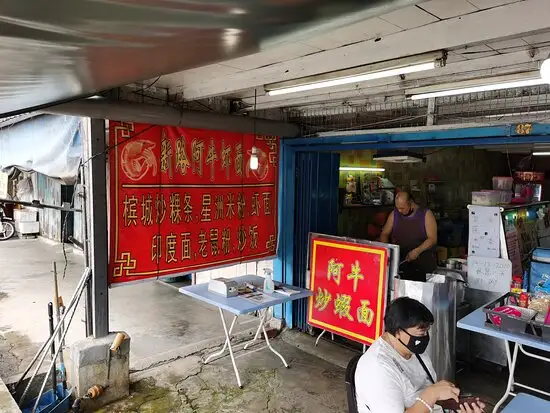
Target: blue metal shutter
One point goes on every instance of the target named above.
(316, 210)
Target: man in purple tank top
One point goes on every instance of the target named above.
(414, 229)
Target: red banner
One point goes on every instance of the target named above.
(349, 283)
(183, 200)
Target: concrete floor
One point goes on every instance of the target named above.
(310, 385)
(162, 323)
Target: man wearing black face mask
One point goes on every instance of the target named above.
(393, 376)
(414, 229)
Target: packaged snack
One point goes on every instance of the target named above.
(540, 302)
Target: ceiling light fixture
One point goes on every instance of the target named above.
(361, 169)
(380, 70)
(541, 153)
(545, 70)
(398, 157)
(478, 85)
(254, 160)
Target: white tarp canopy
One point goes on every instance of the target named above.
(49, 144)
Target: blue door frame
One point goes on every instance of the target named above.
(471, 136)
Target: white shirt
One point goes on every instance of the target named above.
(388, 383)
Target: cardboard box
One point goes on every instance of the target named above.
(25, 228)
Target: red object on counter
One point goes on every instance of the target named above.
(524, 300)
(497, 320)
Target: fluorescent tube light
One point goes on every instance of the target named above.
(365, 73)
(503, 82)
(361, 169)
(353, 79)
(541, 153)
(254, 160)
(545, 70)
(526, 113)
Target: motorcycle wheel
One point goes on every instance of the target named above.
(7, 230)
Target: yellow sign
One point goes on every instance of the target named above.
(524, 128)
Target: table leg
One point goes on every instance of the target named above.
(272, 349)
(512, 359)
(319, 338)
(262, 320)
(227, 339)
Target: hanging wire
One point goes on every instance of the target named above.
(255, 107)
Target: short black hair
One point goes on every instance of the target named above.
(405, 312)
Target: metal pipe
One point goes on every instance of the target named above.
(88, 316)
(57, 351)
(166, 115)
(71, 306)
(82, 280)
(53, 352)
(80, 286)
(61, 357)
(58, 318)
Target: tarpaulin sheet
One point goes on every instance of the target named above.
(49, 144)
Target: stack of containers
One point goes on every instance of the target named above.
(501, 194)
(26, 221)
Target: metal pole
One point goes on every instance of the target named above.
(50, 325)
(57, 302)
(88, 313)
(42, 351)
(430, 119)
(96, 181)
(74, 309)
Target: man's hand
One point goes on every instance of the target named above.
(412, 255)
(442, 390)
(473, 407)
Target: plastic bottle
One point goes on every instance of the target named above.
(269, 287)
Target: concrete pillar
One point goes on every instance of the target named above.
(95, 165)
(92, 363)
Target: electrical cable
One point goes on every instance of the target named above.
(81, 166)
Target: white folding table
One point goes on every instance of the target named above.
(522, 403)
(238, 306)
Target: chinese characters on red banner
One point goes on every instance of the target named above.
(182, 200)
(349, 283)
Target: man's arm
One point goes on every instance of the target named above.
(431, 232)
(387, 230)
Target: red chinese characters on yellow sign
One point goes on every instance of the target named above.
(184, 199)
(349, 282)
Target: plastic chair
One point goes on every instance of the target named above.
(350, 383)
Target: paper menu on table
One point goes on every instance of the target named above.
(489, 274)
(484, 231)
(259, 297)
(514, 252)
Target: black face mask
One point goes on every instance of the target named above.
(417, 344)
